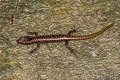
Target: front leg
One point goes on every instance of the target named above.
(32, 33)
(38, 47)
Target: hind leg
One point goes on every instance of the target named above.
(70, 49)
(72, 31)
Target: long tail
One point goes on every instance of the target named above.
(93, 34)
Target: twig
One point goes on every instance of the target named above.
(13, 15)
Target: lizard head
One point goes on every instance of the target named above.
(24, 40)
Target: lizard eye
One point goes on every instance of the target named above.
(28, 39)
(23, 39)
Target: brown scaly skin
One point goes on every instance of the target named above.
(29, 39)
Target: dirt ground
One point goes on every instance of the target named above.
(97, 58)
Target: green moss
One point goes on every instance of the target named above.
(98, 57)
